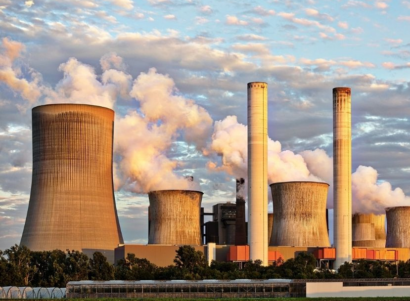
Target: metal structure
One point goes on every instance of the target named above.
(398, 230)
(368, 230)
(257, 171)
(175, 217)
(299, 210)
(28, 292)
(240, 226)
(72, 203)
(342, 171)
(225, 215)
(241, 288)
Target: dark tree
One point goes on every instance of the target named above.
(100, 268)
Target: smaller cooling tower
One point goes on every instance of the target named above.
(299, 214)
(368, 230)
(398, 230)
(175, 217)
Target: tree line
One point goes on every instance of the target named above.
(21, 267)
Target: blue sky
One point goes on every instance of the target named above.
(204, 53)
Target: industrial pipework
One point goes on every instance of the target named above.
(299, 210)
(257, 171)
(175, 217)
(72, 202)
(342, 171)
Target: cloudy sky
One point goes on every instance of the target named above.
(175, 72)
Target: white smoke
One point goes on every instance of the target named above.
(145, 135)
(143, 138)
(371, 197)
(229, 141)
(12, 75)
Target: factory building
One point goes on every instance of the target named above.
(299, 214)
(72, 202)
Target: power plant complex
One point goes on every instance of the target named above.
(72, 203)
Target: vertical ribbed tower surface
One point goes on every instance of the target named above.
(270, 228)
(299, 210)
(398, 229)
(342, 171)
(369, 230)
(175, 217)
(257, 171)
(72, 202)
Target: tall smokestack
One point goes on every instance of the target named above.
(240, 231)
(72, 202)
(342, 168)
(257, 171)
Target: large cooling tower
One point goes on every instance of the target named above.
(72, 202)
(368, 230)
(299, 210)
(342, 171)
(175, 217)
(257, 171)
(398, 229)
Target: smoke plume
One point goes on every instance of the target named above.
(12, 75)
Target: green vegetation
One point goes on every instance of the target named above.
(21, 267)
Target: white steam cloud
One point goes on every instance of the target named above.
(12, 75)
(145, 135)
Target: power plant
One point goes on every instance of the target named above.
(342, 175)
(398, 230)
(72, 202)
(257, 171)
(299, 214)
(175, 217)
(368, 230)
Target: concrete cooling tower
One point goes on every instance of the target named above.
(368, 230)
(398, 230)
(72, 202)
(299, 210)
(175, 217)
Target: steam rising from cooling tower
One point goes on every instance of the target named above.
(257, 171)
(72, 202)
(342, 171)
(175, 217)
(299, 210)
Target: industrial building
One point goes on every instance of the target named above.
(72, 203)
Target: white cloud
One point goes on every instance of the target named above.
(29, 3)
(206, 9)
(127, 4)
(233, 20)
(170, 17)
(343, 25)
